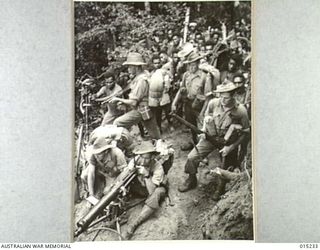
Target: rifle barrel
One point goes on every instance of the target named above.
(213, 139)
(188, 124)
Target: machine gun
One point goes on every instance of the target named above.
(119, 188)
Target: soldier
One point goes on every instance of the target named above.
(138, 98)
(221, 113)
(119, 134)
(104, 158)
(192, 91)
(149, 183)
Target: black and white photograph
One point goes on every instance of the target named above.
(162, 126)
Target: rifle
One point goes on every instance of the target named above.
(78, 156)
(119, 187)
(108, 98)
(215, 140)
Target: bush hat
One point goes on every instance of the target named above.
(193, 57)
(134, 58)
(144, 148)
(187, 48)
(226, 87)
(101, 144)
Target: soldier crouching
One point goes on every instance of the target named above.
(104, 158)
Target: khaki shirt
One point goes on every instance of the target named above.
(140, 89)
(155, 169)
(223, 118)
(112, 163)
(195, 83)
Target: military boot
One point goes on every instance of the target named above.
(188, 184)
(146, 212)
(221, 183)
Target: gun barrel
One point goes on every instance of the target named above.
(213, 139)
(188, 124)
(84, 223)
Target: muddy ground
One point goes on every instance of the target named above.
(193, 215)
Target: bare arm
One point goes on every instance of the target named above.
(130, 102)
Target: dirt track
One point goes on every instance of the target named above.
(182, 221)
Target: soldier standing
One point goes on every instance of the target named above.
(221, 113)
(138, 98)
(192, 91)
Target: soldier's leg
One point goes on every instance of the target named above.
(84, 178)
(153, 129)
(191, 116)
(167, 110)
(201, 150)
(151, 205)
(108, 118)
(128, 119)
(156, 197)
(141, 129)
(91, 176)
(157, 112)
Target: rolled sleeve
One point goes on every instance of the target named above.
(139, 91)
(120, 159)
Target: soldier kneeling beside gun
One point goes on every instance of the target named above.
(144, 177)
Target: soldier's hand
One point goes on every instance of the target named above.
(142, 171)
(208, 119)
(226, 150)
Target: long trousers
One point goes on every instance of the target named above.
(133, 117)
(157, 111)
(203, 149)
